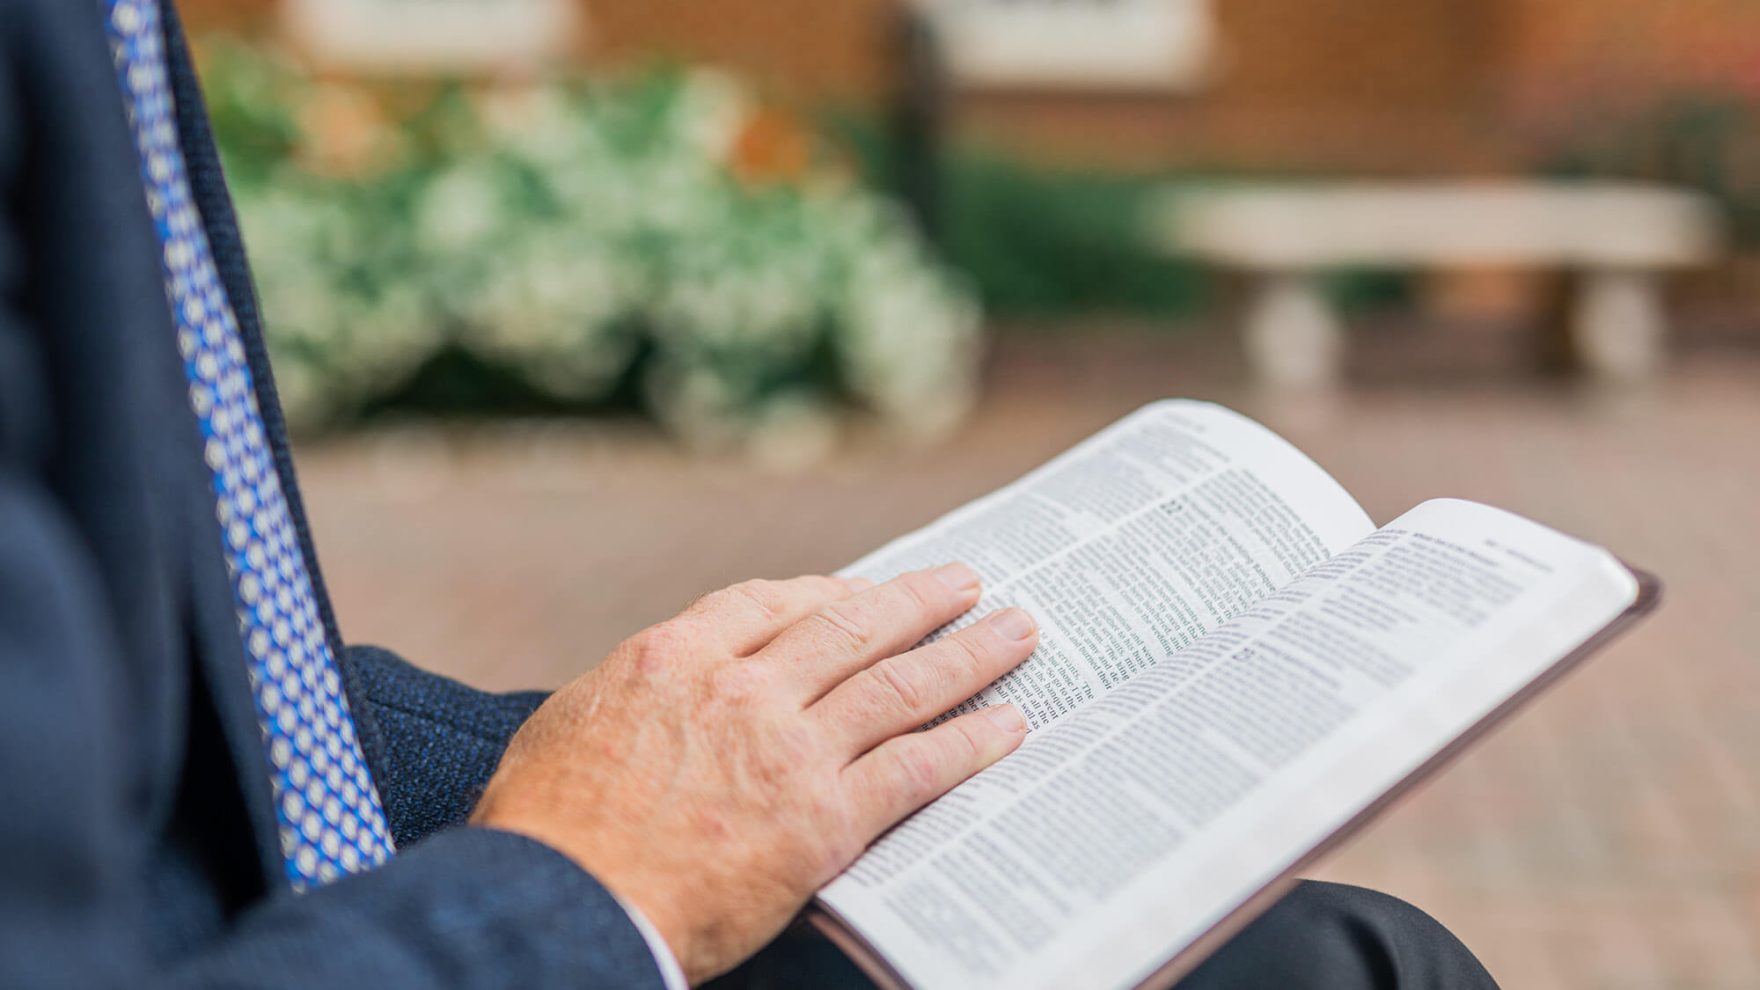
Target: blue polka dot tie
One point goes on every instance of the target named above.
(331, 819)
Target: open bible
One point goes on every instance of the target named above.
(1236, 670)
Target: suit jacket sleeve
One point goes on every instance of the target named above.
(466, 908)
(441, 740)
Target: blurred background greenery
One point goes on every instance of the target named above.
(773, 219)
(659, 242)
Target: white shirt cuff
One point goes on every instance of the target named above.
(670, 972)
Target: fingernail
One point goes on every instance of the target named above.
(1013, 623)
(959, 577)
(1008, 718)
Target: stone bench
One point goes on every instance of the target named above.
(1618, 238)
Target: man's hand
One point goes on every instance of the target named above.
(718, 768)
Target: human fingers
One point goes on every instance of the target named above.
(908, 771)
(841, 637)
(746, 616)
(900, 693)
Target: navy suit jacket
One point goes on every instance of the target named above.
(137, 837)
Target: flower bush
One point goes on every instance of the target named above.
(664, 237)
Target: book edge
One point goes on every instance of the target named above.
(1648, 597)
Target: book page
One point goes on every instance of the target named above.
(1111, 841)
(1132, 545)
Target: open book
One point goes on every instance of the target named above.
(1236, 670)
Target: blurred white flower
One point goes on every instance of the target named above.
(565, 232)
(710, 111)
(459, 208)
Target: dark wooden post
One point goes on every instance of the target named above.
(919, 120)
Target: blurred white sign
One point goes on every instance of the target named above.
(1077, 43)
(432, 34)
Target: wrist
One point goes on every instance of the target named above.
(671, 971)
(616, 870)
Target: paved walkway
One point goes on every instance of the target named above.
(1608, 838)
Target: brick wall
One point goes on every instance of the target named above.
(1561, 50)
(1304, 84)
(1414, 86)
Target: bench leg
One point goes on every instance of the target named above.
(1618, 325)
(1291, 336)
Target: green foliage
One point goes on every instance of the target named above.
(1039, 242)
(1055, 243)
(575, 245)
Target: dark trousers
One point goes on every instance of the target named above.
(1321, 936)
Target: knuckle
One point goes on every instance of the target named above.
(972, 745)
(655, 647)
(840, 842)
(898, 686)
(823, 584)
(922, 593)
(916, 774)
(845, 622)
(765, 595)
(969, 648)
(796, 742)
(919, 772)
(737, 684)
